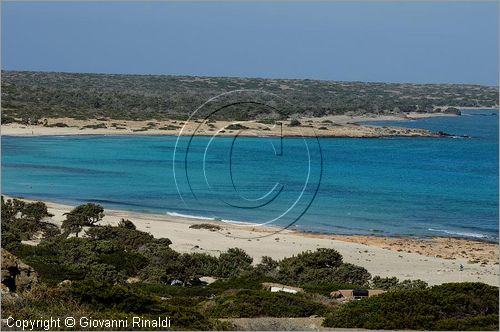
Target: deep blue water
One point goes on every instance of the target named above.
(393, 186)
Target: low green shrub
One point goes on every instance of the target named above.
(261, 303)
(105, 296)
(236, 126)
(60, 258)
(233, 262)
(56, 125)
(118, 300)
(95, 126)
(169, 127)
(449, 306)
(210, 227)
(125, 223)
(249, 281)
(321, 266)
(393, 283)
(164, 290)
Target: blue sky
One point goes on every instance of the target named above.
(363, 41)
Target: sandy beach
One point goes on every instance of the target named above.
(434, 260)
(329, 126)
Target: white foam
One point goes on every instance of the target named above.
(239, 222)
(466, 234)
(229, 221)
(175, 214)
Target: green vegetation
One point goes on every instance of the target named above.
(233, 263)
(81, 216)
(169, 127)
(210, 227)
(24, 221)
(236, 126)
(392, 284)
(117, 271)
(259, 303)
(125, 223)
(57, 125)
(463, 306)
(267, 121)
(95, 126)
(322, 266)
(28, 97)
(101, 300)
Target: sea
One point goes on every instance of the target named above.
(417, 187)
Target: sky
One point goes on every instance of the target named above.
(429, 42)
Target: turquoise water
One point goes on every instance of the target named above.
(392, 186)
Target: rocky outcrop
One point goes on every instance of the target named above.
(452, 110)
(16, 276)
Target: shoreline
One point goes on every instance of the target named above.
(435, 260)
(273, 228)
(334, 126)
